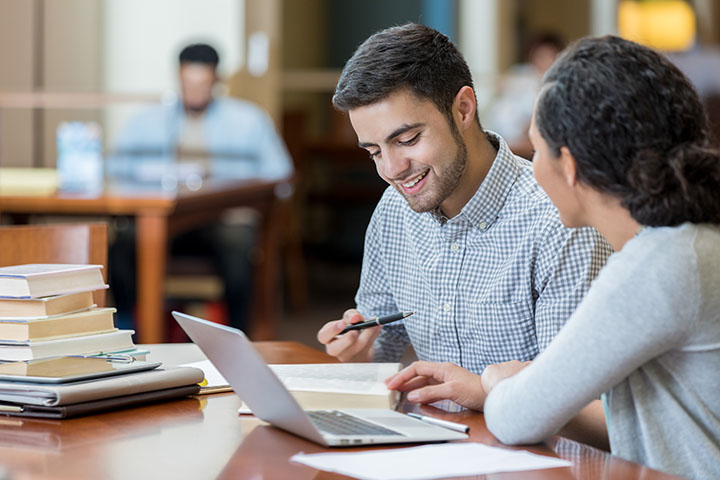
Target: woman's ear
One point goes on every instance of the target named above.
(567, 166)
(464, 107)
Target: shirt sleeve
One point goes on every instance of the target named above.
(568, 261)
(622, 323)
(374, 297)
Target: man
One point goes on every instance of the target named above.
(464, 237)
(183, 141)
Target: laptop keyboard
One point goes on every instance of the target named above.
(338, 423)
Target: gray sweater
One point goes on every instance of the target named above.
(648, 336)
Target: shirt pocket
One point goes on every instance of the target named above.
(503, 331)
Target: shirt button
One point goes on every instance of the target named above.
(482, 225)
(454, 247)
(447, 307)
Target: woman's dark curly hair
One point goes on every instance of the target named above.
(636, 128)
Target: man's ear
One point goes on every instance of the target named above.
(567, 164)
(464, 107)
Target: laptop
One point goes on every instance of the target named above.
(252, 379)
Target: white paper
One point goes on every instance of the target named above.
(212, 375)
(429, 461)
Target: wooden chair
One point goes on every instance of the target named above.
(291, 212)
(61, 243)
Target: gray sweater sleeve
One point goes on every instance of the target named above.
(641, 305)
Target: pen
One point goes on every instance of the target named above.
(376, 321)
(458, 427)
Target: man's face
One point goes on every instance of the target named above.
(414, 148)
(196, 84)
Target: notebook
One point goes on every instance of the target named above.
(97, 406)
(253, 380)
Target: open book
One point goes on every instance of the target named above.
(323, 385)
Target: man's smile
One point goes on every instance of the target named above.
(411, 186)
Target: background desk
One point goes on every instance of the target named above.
(204, 438)
(161, 215)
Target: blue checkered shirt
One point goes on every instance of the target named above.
(494, 283)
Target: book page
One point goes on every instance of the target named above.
(360, 378)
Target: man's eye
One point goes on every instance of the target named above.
(373, 155)
(411, 141)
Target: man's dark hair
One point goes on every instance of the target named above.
(411, 56)
(199, 53)
(636, 128)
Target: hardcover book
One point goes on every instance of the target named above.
(42, 280)
(85, 345)
(44, 307)
(96, 320)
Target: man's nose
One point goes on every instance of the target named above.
(396, 166)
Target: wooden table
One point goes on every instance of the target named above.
(161, 215)
(204, 438)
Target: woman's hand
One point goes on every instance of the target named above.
(494, 374)
(428, 382)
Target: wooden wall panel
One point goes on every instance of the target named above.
(18, 72)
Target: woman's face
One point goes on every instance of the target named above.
(552, 175)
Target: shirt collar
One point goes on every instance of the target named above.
(484, 207)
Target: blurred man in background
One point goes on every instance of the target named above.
(196, 136)
(510, 113)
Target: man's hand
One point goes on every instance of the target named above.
(428, 382)
(355, 346)
(494, 374)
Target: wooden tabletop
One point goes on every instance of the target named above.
(131, 201)
(203, 437)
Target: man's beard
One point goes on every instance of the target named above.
(446, 184)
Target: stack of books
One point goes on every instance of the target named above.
(48, 310)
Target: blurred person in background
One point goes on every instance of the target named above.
(511, 111)
(198, 135)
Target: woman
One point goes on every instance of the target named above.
(621, 144)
